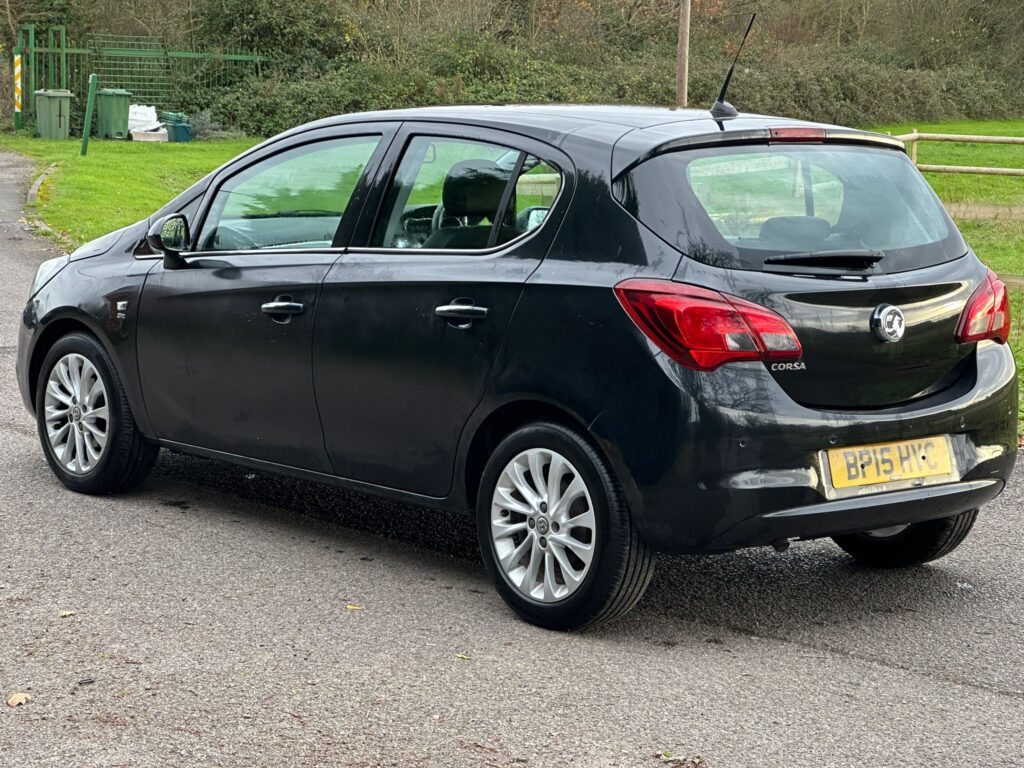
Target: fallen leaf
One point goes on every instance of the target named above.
(66, 614)
(668, 758)
(17, 699)
(353, 607)
(462, 656)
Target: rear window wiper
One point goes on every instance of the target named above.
(844, 260)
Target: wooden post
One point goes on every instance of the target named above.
(683, 54)
(90, 102)
(913, 147)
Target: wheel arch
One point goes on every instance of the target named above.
(508, 416)
(50, 333)
(500, 422)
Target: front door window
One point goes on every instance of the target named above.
(294, 200)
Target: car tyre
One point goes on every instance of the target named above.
(125, 457)
(619, 565)
(917, 543)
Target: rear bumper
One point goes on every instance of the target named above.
(857, 514)
(718, 461)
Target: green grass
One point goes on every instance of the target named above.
(971, 188)
(998, 244)
(117, 183)
(122, 182)
(1017, 337)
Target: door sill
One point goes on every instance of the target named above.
(395, 494)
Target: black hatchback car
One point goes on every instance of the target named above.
(602, 331)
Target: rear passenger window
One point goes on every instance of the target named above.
(457, 194)
(292, 200)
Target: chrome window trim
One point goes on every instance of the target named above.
(260, 252)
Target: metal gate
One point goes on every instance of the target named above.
(154, 74)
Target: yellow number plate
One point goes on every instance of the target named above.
(889, 462)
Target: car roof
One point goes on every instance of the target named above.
(632, 131)
(567, 118)
(548, 116)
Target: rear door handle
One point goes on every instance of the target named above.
(461, 311)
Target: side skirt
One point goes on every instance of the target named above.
(405, 497)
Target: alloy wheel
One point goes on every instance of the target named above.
(543, 525)
(76, 414)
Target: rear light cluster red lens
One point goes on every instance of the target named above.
(703, 329)
(987, 314)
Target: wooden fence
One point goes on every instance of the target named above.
(970, 211)
(914, 138)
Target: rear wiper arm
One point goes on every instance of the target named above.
(845, 259)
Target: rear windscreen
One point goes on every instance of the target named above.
(734, 207)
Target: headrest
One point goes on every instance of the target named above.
(474, 188)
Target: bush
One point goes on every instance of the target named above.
(295, 32)
(835, 86)
(846, 86)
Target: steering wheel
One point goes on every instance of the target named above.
(239, 240)
(437, 221)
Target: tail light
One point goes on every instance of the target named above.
(987, 314)
(703, 329)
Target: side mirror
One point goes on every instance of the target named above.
(170, 236)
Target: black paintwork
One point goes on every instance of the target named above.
(368, 388)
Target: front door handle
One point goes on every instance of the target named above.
(282, 308)
(461, 311)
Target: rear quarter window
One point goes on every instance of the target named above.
(734, 207)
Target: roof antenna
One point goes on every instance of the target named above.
(723, 110)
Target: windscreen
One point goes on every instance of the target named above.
(736, 206)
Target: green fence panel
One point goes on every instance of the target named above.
(155, 75)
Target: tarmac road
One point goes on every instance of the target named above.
(209, 619)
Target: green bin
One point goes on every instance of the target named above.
(179, 132)
(176, 123)
(53, 113)
(112, 112)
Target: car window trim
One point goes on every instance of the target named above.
(506, 198)
(385, 132)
